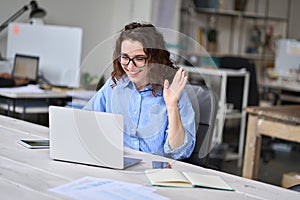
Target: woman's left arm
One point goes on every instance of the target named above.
(172, 94)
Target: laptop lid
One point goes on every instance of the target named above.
(26, 66)
(87, 137)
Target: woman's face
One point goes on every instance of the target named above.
(135, 70)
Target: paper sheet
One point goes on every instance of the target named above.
(23, 89)
(95, 188)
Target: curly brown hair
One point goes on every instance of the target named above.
(153, 46)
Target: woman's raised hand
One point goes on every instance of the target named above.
(173, 92)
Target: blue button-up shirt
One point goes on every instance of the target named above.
(145, 117)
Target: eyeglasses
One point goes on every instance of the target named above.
(138, 61)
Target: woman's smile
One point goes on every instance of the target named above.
(130, 50)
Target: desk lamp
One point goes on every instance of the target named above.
(36, 12)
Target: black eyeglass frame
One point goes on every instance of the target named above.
(132, 59)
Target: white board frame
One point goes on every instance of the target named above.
(58, 47)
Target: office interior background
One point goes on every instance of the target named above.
(100, 20)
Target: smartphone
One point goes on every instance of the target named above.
(159, 164)
(35, 143)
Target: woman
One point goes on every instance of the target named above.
(158, 116)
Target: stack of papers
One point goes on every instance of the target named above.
(23, 89)
(96, 188)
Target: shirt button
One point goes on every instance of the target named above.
(133, 130)
(135, 112)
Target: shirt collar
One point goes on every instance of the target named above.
(125, 82)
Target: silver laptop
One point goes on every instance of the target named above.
(88, 137)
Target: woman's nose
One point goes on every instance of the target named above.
(131, 65)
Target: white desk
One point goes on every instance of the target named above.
(292, 86)
(223, 74)
(28, 99)
(284, 90)
(28, 174)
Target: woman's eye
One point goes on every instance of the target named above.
(139, 58)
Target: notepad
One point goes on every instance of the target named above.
(174, 178)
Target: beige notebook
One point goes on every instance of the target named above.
(174, 178)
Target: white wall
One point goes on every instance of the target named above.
(102, 19)
(99, 19)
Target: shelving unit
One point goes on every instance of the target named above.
(232, 26)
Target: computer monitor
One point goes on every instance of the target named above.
(287, 56)
(26, 67)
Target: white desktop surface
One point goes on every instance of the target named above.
(29, 173)
(292, 86)
(30, 91)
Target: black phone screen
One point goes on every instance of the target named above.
(159, 164)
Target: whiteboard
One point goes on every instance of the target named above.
(58, 47)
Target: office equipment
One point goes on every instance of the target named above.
(175, 178)
(88, 137)
(26, 67)
(160, 165)
(36, 12)
(58, 47)
(281, 122)
(33, 173)
(287, 57)
(205, 105)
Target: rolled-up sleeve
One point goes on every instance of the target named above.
(187, 115)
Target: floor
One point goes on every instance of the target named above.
(277, 157)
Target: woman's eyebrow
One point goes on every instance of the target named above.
(138, 55)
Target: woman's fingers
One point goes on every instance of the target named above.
(180, 78)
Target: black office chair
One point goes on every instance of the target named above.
(205, 104)
(234, 88)
(234, 93)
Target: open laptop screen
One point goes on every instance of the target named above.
(26, 67)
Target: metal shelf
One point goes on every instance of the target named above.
(237, 14)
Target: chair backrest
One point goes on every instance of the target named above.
(234, 88)
(205, 104)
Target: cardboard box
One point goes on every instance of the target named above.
(289, 179)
